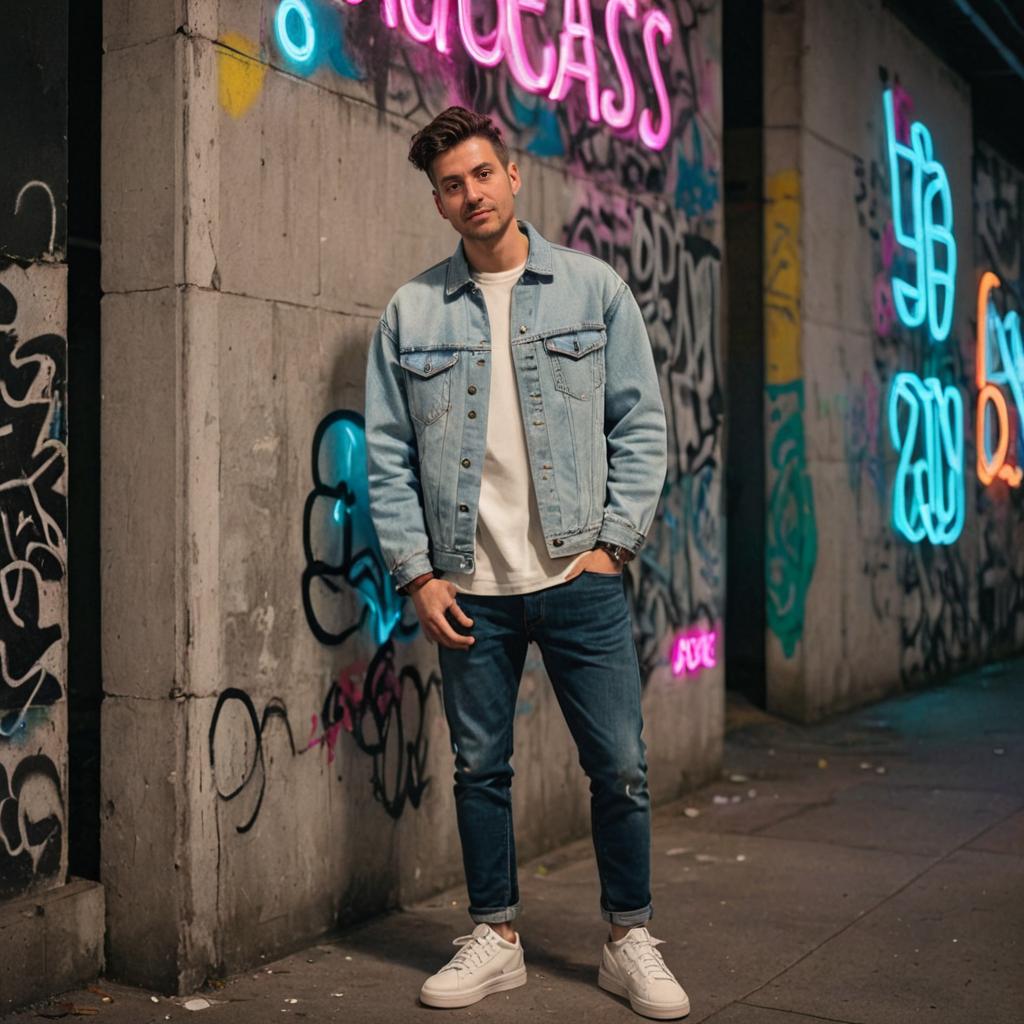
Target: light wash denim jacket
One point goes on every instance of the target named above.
(588, 390)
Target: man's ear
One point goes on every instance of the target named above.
(513, 175)
(437, 203)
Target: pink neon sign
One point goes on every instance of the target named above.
(553, 71)
(693, 651)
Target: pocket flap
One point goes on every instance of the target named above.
(577, 343)
(429, 361)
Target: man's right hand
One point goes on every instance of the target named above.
(433, 601)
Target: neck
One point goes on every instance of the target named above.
(493, 255)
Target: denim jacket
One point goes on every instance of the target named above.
(588, 391)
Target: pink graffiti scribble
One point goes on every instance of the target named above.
(902, 110)
(882, 308)
(693, 651)
(349, 693)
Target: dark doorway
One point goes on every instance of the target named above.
(742, 88)
(85, 688)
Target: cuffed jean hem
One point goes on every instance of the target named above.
(494, 916)
(628, 918)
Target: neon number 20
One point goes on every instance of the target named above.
(926, 424)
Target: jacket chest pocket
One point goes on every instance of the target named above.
(577, 359)
(428, 381)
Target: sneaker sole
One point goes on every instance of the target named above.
(466, 997)
(656, 1011)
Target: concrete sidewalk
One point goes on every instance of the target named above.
(870, 869)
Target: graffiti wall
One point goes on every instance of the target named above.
(903, 397)
(326, 746)
(33, 455)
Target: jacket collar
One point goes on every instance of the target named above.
(538, 260)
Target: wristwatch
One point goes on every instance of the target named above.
(617, 551)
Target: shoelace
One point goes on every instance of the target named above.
(471, 954)
(648, 960)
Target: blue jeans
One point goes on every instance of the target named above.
(583, 630)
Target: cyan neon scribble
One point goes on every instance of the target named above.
(925, 230)
(926, 425)
(340, 541)
(295, 31)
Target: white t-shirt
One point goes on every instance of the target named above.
(511, 556)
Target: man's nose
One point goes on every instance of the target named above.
(473, 194)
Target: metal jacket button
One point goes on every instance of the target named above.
(465, 463)
(471, 389)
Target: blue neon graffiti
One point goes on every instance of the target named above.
(925, 230)
(295, 32)
(340, 541)
(926, 424)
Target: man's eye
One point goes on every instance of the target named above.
(485, 174)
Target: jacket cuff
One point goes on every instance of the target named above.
(415, 565)
(615, 530)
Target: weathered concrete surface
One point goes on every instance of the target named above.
(257, 217)
(908, 916)
(51, 940)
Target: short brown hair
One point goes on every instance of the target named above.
(448, 129)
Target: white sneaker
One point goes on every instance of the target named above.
(486, 963)
(633, 968)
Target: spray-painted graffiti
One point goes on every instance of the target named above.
(33, 509)
(791, 539)
(340, 543)
(382, 706)
(31, 825)
(674, 275)
(372, 702)
(999, 255)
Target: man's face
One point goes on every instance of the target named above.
(474, 191)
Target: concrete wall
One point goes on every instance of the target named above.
(275, 752)
(33, 457)
(857, 609)
(51, 926)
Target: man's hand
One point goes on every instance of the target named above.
(433, 601)
(597, 560)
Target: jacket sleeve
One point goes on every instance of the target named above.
(634, 426)
(392, 464)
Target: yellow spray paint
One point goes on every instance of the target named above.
(240, 73)
(782, 278)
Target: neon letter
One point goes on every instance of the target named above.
(1004, 331)
(293, 50)
(622, 117)
(477, 48)
(577, 26)
(693, 651)
(435, 30)
(656, 23)
(928, 490)
(928, 228)
(518, 63)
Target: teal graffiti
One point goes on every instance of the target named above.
(791, 543)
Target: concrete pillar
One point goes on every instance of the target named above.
(159, 492)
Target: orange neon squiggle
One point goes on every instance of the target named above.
(996, 467)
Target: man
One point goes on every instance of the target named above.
(516, 452)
